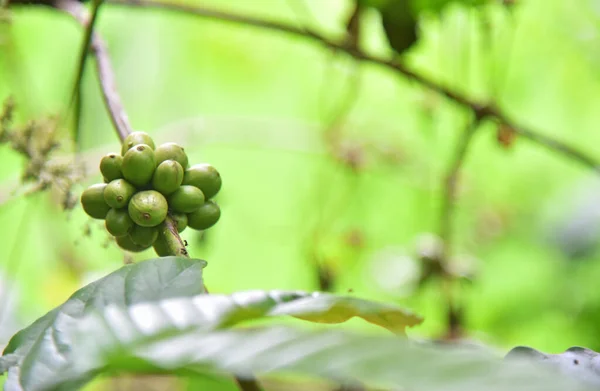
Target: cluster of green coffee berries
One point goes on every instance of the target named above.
(143, 185)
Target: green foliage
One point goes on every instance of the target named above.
(123, 342)
(164, 292)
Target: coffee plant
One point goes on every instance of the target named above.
(156, 317)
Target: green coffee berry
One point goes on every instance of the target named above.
(186, 199)
(118, 193)
(205, 217)
(167, 177)
(161, 247)
(118, 222)
(148, 208)
(110, 167)
(126, 243)
(143, 236)
(134, 139)
(139, 164)
(205, 177)
(171, 151)
(92, 201)
(181, 220)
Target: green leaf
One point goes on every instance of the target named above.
(218, 311)
(113, 342)
(326, 308)
(47, 347)
(44, 345)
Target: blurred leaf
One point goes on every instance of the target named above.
(400, 17)
(155, 279)
(112, 341)
(579, 362)
(400, 25)
(373, 3)
(436, 6)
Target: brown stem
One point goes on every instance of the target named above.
(106, 75)
(174, 242)
(480, 110)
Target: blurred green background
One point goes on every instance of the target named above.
(333, 164)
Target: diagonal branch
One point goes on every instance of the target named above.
(480, 110)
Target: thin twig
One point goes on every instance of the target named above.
(480, 110)
(450, 184)
(446, 218)
(106, 75)
(85, 47)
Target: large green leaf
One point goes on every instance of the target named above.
(112, 341)
(162, 294)
(45, 343)
(201, 311)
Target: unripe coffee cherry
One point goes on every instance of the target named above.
(92, 201)
(148, 208)
(161, 247)
(118, 222)
(205, 217)
(118, 193)
(186, 199)
(110, 167)
(181, 220)
(134, 139)
(126, 243)
(167, 177)
(138, 165)
(205, 177)
(143, 236)
(171, 151)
